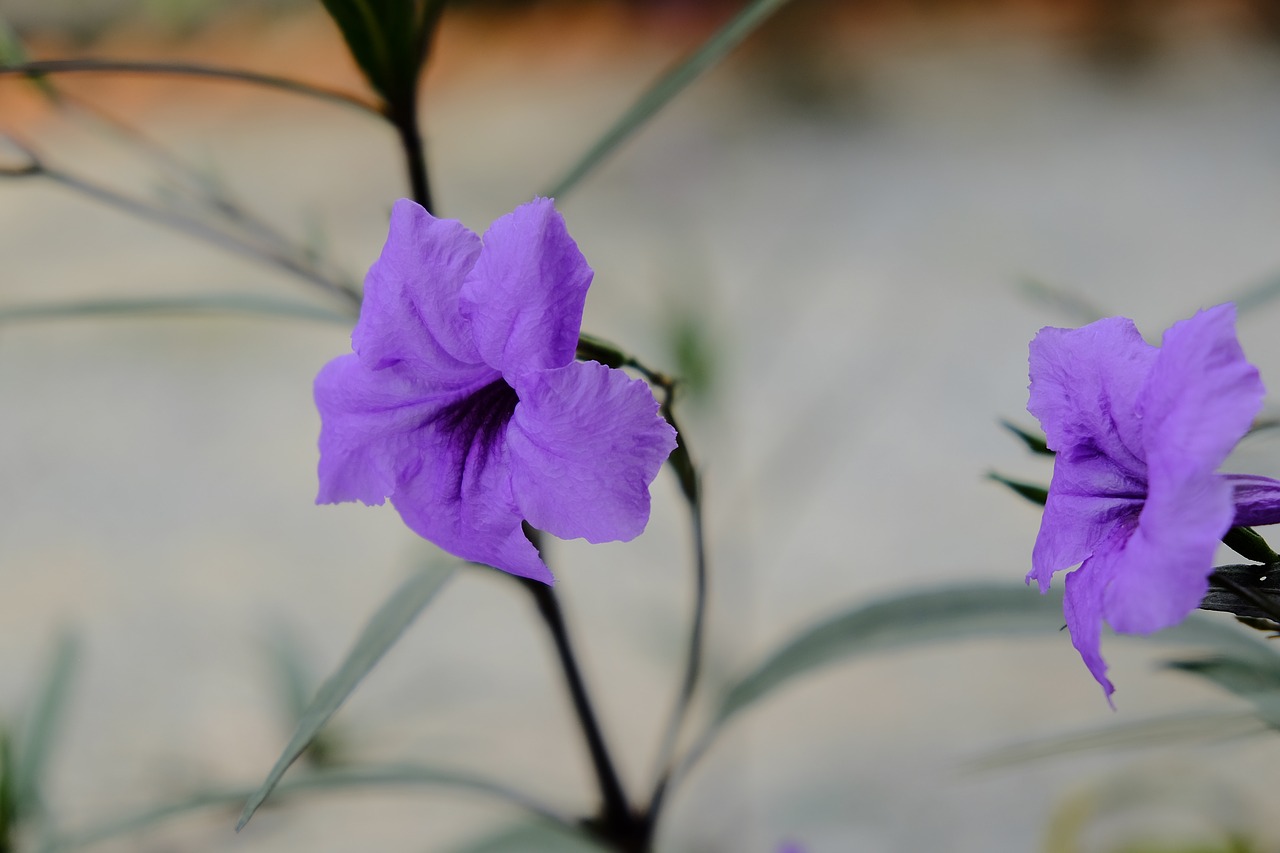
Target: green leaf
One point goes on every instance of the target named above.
(901, 621)
(1034, 441)
(1036, 494)
(1248, 543)
(1156, 731)
(532, 838)
(1252, 678)
(387, 40)
(168, 306)
(332, 779)
(1246, 589)
(32, 752)
(666, 88)
(948, 614)
(8, 802)
(379, 635)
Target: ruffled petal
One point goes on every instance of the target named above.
(370, 427)
(1163, 572)
(410, 310)
(1085, 384)
(461, 498)
(1082, 606)
(1257, 500)
(1200, 400)
(586, 441)
(524, 297)
(1089, 500)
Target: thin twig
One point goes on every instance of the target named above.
(188, 69)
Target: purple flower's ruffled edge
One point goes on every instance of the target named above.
(525, 295)
(586, 441)
(1083, 382)
(1193, 406)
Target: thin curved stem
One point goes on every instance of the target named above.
(188, 69)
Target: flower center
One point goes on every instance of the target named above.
(475, 423)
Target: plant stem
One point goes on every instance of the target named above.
(405, 120)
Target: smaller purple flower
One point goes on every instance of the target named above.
(1135, 499)
(463, 404)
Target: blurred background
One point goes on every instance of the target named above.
(844, 237)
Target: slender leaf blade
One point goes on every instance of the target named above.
(169, 306)
(714, 49)
(1035, 442)
(381, 632)
(36, 745)
(1036, 494)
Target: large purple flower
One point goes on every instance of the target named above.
(1135, 499)
(463, 404)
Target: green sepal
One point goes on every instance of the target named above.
(388, 40)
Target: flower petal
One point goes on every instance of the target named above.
(1200, 400)
(525, 295)
(1082, 606)
(1163, 572)
(1084, 385)
(1257, 500)
(586, 441)
(461, 499)
(369, 423)
(1089, 499)
(410, 311)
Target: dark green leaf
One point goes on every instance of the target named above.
(1245, 590)
(1033, 440)
(8, 802)
(1248, 543)
(666, 88)
(32, 752)
(379, 635)
(168, 306)
(1036, 494)
(332, 779)
(1257, 680)
(386, 41)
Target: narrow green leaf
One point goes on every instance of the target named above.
(1168, 730)
(379, 635)
(948, 614)
(902, 621)
(1251, 678)
(32, 752)
(1245, 589)
(169, 306)
(1036, 494)
(8, 802)
(1034, 441)
(332, 779)
(666, 88)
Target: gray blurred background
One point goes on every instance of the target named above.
(833, 234)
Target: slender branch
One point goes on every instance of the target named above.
(691, 487)
(615, 819)
(187, 69)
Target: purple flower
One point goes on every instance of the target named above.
(463, 404)
(1135, 501)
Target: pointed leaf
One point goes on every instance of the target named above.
(143, 306)
(1248, 543)
(1036, 494)
(32, 752)
(1034, 441)
(380, 634)
(386, 41)
(1245, 590)
(714, 49)
(1251, 678)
